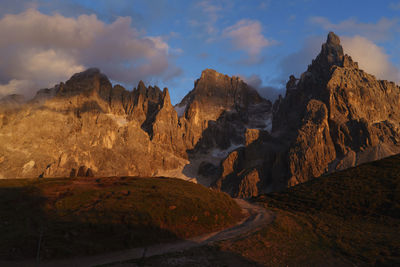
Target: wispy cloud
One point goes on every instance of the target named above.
(246, 35)
(382, 30)
(208, 14)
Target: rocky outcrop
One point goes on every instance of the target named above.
(222, 99)
(88, 122)
(214, 117)
(333, 117)
(313, 149)
(352, 107)
(248, 186)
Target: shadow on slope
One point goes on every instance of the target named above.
(205, 256)
(85, 216)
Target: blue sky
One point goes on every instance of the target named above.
(173, 41)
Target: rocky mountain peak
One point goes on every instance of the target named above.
(211, 74)
(141, 86)
(86, 82)
(88, 75)
(166, 99)
(333, 39)
(341, 113)
(221, 91)
(150, 93)
(331, 54)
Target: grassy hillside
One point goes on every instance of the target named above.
(89, 215)
(346, 218)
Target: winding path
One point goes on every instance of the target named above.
(256, 217)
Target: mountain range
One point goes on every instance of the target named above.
(222, 134)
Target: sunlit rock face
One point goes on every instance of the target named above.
(333, 117)
(222, 134)
(88, 124)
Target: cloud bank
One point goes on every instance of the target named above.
(371, 58)
(40, 50)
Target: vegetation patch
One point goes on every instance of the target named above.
(85, 216)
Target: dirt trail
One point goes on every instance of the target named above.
(256, 217)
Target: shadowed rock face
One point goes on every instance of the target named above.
(358, 115)
(219, 97)
(334, 117)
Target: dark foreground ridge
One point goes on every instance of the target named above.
(347, 218)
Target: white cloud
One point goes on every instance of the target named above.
(14, 86)
(370, 58)
(39, 50)
(380, 31)
(246, 35)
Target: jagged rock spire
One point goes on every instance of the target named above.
(331, 55)
(166, 99)
(332, 50)
(333, 39)
(141, 87)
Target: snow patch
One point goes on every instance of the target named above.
(268, 124)
(218, 153)
(180, 110)
(120, 120)
(261, 121)
(28, 166)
